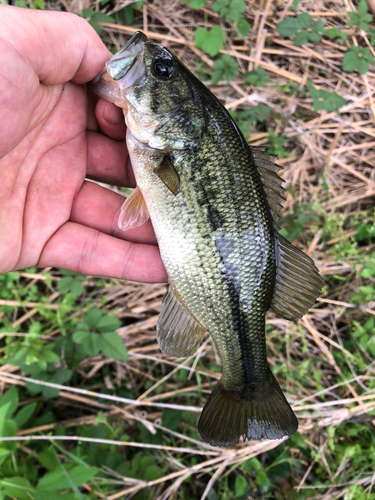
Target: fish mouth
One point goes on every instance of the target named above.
(121, 71)
(123, 61)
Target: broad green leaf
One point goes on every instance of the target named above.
(301, 38)
(262, 480)
(211, 41)
(240, 487)
(127, 13)
(288, 27)
(196, 4)
(3, 413)
(112, 346)
(100, 17)
(108, 324)
(56, 479)
(224, 66)
(152, 472)
(257, 77)
(362, 8)
(318, 26)
(92, 317)
(10, 396)
(48, 458)
(89, 341)
(305, 20)
(3, 454)
(333, 33)
(10, 430)
(243, 27)
(17, 487)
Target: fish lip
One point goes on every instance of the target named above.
(122, 62)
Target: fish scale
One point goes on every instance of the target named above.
(213, 203)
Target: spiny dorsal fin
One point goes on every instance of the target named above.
(134, 211)
(268, 169)
(298, 282)
(178, 333)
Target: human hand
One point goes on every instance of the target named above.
(52, 136)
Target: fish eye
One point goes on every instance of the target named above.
(163, 68)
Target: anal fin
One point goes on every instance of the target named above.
(178, 333)
(134, 211)
(298, 282)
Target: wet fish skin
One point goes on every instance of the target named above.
(212, 201)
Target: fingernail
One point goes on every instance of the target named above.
(113, 114)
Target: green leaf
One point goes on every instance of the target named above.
(17, 487)
(301, 38)
(92, 317)
(87, 13)
(243, 27)
(152, 472)
(10, 396)
(112, 346)
(294, 5)
(333, 33)
(362, 8)
(127, 14)
(257, 77)
(305, 20)
(48, 458)
(322, 99)
(3, 413)
(108, 324)
(24, 414)
(224, 66)
(288, 27)
(89, 341)
(56, 479)
(3, 455)
(357, 58)
(240, 487)
(196, 4)
(100, 17)
(262, 480)
(318, 26)
(210, 41)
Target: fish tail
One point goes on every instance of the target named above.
(260, 414)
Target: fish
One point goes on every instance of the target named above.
(214, 203)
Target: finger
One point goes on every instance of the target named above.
(63, 47)
(110, 119)
(99, 208)
(88, 251)
(108, 160)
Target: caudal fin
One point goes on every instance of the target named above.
(264, 414)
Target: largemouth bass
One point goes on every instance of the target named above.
(213, 201)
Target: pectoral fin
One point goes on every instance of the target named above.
(167, 173)
(178, 333)
(134, 211)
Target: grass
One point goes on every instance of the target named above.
(98, 427)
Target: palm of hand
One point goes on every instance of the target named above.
(51, 139)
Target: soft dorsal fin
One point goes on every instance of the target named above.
(134, 211)
(268, 169)
(178, 333)
(298, 282)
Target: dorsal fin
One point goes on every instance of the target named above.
(268, 169)
(178, 333)
(298, 282)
